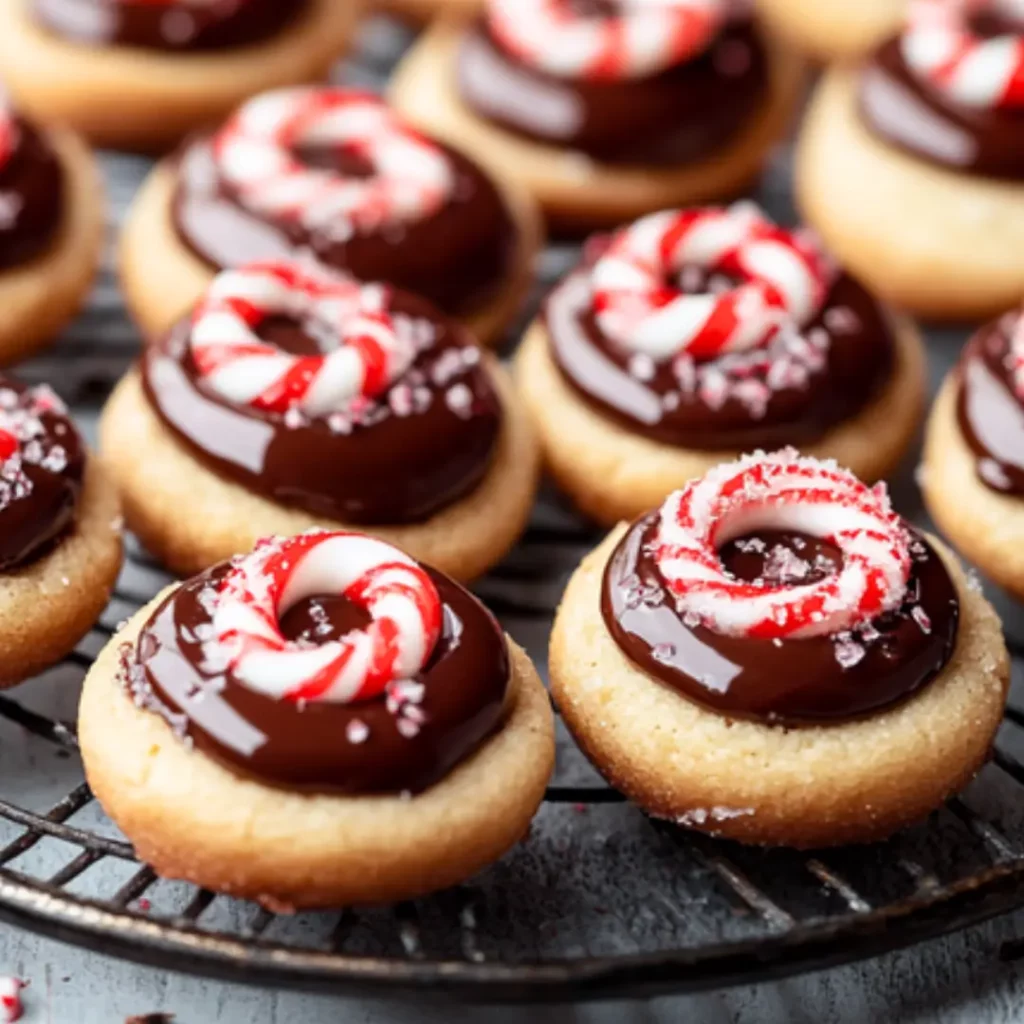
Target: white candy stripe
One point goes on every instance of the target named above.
(783, 278)
(399, 596)
(237, 364)
(643, 39)
(255, 154)
(940, 46)
(786, 492)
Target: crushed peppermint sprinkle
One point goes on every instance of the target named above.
(357, 731)
(849, 653)
(459, 399)
(10, 999)
(920, 616)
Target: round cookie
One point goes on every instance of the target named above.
(42, 294)
(832, 31)
(292, 849)
(161, 277)
(466, 504)
(576, 192)
(854, 780)
(904, 225)
(129, 97)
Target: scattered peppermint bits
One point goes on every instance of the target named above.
(459, 399)
(849, 653)
(920, 616)
(357, 731)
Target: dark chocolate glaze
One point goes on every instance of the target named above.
(680, 115)
(792, 682)
(459, 258)
(422, 445)
(859, 361)
(319, 745)
(910, 114)
(31, 197)
(990, 414)
(174, 26)
(39, 484)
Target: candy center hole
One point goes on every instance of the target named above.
(779, 558)
(306, 336)
(694, 280)
(320, 619)
(343, 160)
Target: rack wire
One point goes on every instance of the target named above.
(598, 901)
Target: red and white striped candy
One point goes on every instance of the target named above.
(238, 365)
(8, 129)
(782, 492)
(784, 278)
(399, 596)
(940, 46)
(644, 38)
(255, 154)
(1015, 355)
(11, 1007)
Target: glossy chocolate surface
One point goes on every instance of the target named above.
(739, 401)
(175, 26)
(31, 197)
(459, 258)
(680, 115)
(389, 744)
(422, 445)
(815, 680)
(42, 463)
(907, 112)
(990, 414)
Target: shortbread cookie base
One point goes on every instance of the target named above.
(131, 98)
(576, 192)
(192, 818)
(830, 32)
(162, 278)
(40, 297)
(935, 242)
(613, 473)
(191, 518)
(419, 11)
(46, 607)
(986, 527)
(856, 781)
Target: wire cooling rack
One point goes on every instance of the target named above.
(598, 901)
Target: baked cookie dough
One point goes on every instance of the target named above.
(919, 192)
(832, 30)
(599, 151)
(331, 780)
(464, 239)
(65, 61)
(635, 391)
(419, 11)
(60, 533)
(421, 439)
(51, 232)
(749, 708)
(972, 474)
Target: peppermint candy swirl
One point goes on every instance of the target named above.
(256, 156)
(785, 492)
(643, 39)
(397, 594)
(940, 46)
(783, 278)
(1015, 355)
(8, 130)
(235, 363)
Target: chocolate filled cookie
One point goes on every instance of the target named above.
(292, 397)
(358, 718)
(693, 335)
(141, 74)
(911, 165)
(333, 177)
(60, 532)
(605, 110)
(775, 656)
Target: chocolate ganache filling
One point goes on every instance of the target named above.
(173, 25)
(909, 113)
(989, 410)
(420, 446)
(352, 748)
(31, 196)
(683, 114)
(791, 392)
(42, 463)
(791, 681)
(459, 257)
